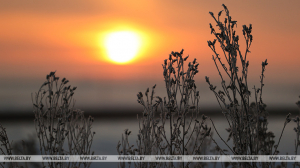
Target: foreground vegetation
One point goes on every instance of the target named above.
(171, 125)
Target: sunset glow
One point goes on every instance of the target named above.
(121, 47)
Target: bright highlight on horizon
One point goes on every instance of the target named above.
(122, 46)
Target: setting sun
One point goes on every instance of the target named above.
(121, 47)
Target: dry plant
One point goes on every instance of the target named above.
(297, 130)
(171, 125)
(247, 121)
(6, 147)
(61, 129)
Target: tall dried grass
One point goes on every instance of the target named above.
(171, 125)
(247, 121)
(61, 129)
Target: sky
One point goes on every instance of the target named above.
(37, 37)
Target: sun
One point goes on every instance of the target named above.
(122, 46)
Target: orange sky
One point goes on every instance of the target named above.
(37, 37)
